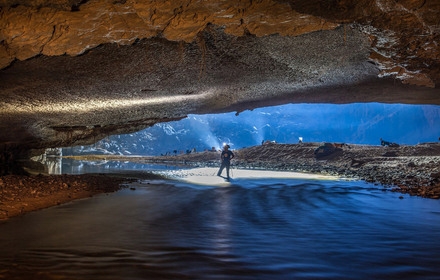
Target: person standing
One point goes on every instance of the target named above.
(226, 157)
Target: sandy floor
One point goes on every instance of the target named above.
(413, 169)
(208, 175)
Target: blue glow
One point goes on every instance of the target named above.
(358, 123)
(201, 124)
(363, 123)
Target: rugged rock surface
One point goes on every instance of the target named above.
(75, 71)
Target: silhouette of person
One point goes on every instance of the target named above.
(226, 157)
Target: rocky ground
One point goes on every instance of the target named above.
(407, 169)
(22, 194)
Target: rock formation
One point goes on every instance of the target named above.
(74, 71)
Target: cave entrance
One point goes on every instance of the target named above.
(355, 123)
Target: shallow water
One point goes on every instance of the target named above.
(251, 229)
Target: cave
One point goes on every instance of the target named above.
(73, 72)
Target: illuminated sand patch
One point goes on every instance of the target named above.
(208, 176)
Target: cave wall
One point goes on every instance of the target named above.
(73, 72)
(404, 33)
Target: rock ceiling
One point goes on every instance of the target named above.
(74, 71)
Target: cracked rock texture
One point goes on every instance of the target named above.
(75, 71)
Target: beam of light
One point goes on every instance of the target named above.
(85, 106)
(258, 121)
(200, 124)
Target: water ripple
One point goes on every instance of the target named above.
(261, 229)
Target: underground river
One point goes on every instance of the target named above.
(250, 228)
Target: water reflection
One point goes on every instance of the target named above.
(51, 161)
(256, 229)
(59, 165)
(222, 222)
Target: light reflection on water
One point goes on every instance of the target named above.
(70, 166)
(59, 165)
(252, 229)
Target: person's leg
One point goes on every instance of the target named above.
(227, 169)
(222, 166)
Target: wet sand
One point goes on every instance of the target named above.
(208, 175)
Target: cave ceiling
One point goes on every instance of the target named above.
(75, 71)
